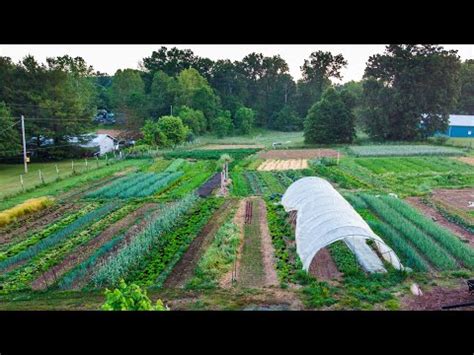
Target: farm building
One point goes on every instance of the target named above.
(105, 142)
(324, 217)
(461, 126)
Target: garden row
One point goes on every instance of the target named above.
(421, 244)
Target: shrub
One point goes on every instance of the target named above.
(130, 298)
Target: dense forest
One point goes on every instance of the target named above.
(176, 95)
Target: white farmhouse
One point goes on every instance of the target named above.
(105, 142)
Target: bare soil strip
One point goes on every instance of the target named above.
(184, 269)
(437, 297)
(84, 251)
(433, 214)
(457, 198)
(271, 278)
(37, 221)
(299, 154)
(323, 266)
(467, 160)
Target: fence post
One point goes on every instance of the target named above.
(41, 176)
(97, 160)
(72, 166)
(57, 171)
(21, 182)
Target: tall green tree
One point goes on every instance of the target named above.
(127, 96)
(330, 120)
(194, 91)
(465, 103)
(411, 90)
(316, 74)
(163, 94)
(222, 125)
(9, 134)
(244, 119)
(194, 119)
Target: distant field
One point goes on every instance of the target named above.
(265, 138)
(461, 142)
(402, 150)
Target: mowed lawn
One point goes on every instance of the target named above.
(10, 173)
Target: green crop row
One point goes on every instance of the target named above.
(422, 241)
(171, 246)
(46, 232)
(20, 278)
(402, 150)
(131, 255)
(272, 182)
(253, 182)
(237, 154)
(240, 186)
(218, 258)
(443, 237)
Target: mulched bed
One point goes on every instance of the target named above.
(211, 184)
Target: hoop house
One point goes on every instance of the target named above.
(324, 217)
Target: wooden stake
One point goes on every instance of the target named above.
(41, 176)
(21, 182)
(86, 163)
(97, 160)
(337, 158)
(57, 170)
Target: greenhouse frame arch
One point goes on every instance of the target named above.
(324, 217)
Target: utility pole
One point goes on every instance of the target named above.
(171, 110)
(24, 142)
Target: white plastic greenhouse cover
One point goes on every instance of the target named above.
(324, 217)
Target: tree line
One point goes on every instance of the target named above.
(406, 93)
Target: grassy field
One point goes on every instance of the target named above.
(10, 173)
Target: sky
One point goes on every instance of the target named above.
(109, 58)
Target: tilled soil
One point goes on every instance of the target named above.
(458, 198)
(467, 160)
(185, 267)
(323, 266)
(437, 297)
(431, 213)
(37, 221)
(299, 153)
(268, 253)
(84, 251)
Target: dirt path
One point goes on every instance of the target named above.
(271, 278)
(84, 251)
(431, 213)
(37, 221)
(323, 266)
(185, 267)
(251, 271)
(437, 297)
